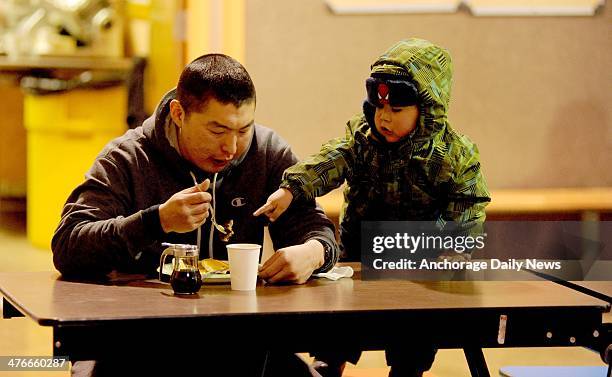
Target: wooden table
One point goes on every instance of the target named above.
(602, 287)
(96, 320)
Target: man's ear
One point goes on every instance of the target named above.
(177, 113)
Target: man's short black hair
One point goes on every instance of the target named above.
(215, 76)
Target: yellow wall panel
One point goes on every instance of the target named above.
(12, 142)
(216, 26)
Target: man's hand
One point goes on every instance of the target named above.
(186, 210)
(293, 264)
(277, 203)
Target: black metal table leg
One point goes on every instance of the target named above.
(476, 361)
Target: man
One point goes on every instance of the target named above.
(140, 191)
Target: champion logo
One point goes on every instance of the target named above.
(383, 93)
(238, 202)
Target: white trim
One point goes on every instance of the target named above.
(378, 8)
(481, 8)
(533, 10)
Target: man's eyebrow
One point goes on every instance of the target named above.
(250, 124)
(214, 123)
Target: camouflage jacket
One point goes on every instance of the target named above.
(432, 175)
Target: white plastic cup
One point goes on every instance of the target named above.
(244, 265)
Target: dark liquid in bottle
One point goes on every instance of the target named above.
(186, 281)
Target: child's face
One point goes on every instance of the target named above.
(395, 123)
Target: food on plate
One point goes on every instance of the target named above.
(214, 265)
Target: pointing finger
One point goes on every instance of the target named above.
(264, 209)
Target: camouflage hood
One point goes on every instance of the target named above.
(429, 67)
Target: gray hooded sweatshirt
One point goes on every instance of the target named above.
(111, 221)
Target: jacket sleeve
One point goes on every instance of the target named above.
(320, 173)
(467, 194)
(99, 231)
(304, 220)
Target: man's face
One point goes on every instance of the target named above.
(212, 137)
(395, 123)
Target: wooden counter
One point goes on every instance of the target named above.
(552, 201)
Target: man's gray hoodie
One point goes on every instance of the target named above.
(111, 221)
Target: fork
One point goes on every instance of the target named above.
(220, 228)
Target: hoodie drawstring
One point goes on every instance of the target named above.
(213, 219)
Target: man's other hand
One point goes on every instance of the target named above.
(293, 264)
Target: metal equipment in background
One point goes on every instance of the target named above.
(62, 28)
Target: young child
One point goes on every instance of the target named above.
(401, 160)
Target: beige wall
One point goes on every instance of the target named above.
(533, 92)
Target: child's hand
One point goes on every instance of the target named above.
(277, 203)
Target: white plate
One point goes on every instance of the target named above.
(216, 278)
